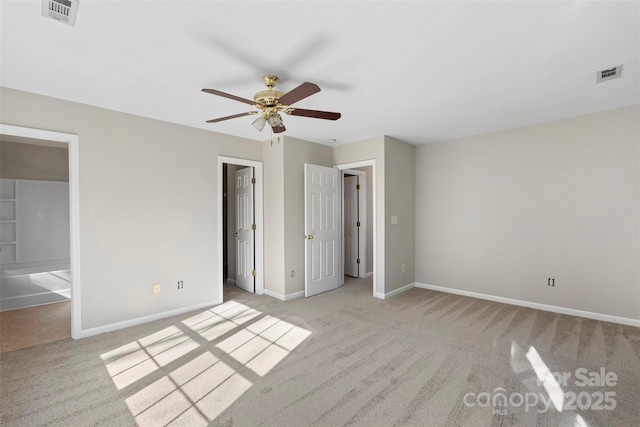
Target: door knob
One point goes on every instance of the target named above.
(309, 237)
(235, 234)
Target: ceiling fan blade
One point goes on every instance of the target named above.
(301, 92)
(327, 115)
(226, 95)
(248, 113)
(278, 129)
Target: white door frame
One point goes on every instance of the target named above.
(362, 217)
(259, 215)
(359, 164)
(74, 209)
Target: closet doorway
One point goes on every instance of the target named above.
(241, 225)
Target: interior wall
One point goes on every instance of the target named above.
(501, 213)
(371, 149)
(42, 174)
(400, 203)
(274, 218)
(28, 161)
(296, 153)
(148, 192)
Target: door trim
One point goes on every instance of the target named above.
(378, 282)
(259, 218)
(72, 142)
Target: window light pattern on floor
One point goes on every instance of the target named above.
(201, 352)
(263, 344)
(192, 395)
(135, 360)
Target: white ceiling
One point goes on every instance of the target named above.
(418, 71)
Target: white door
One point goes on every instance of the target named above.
(244, 230)
(322, 228)
(351, 218)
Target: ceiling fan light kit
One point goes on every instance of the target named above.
(270, 103)
(259, 123)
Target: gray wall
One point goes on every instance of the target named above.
(494, 214)
(274, 212)
(500, 213)
(148, 205)
(371, 149)
(395, 192)
(284, 227)
(399, 201)
(28, 161)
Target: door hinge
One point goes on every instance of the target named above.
(253, 180)
(358, 187)
(253, 226)
(253, 273)
(358, 261)
(358, 224)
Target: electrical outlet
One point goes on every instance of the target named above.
(293, 273)
(404, 268)
(180, 284)
(551, 281)
(156, 288)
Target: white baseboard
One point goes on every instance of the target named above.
(144, 319)
(369, 274)
(395, 291)
(538, 306)
(283, 297)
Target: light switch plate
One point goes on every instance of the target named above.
(394, 219)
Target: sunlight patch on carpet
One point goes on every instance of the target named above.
(134, 361)
(202, 386)
(193, 394)
(263, 344)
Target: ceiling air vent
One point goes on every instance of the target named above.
(609, 74)
(61, 10)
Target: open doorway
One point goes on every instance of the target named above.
(366, 206)
(32, 263)
(355, 211)
(240, 225)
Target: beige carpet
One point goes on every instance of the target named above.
(343, 358)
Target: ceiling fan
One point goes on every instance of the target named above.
(270, 103)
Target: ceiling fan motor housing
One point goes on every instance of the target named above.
(267, 97)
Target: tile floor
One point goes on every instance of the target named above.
(28, 327)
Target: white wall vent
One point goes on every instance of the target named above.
(61, 10)
(608, 74)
